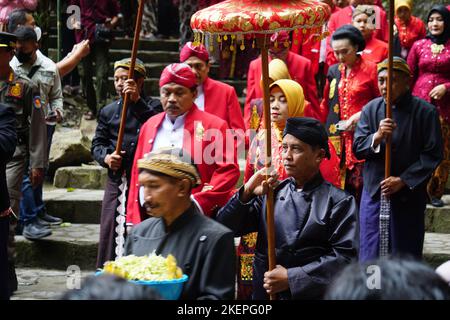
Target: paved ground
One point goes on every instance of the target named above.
(38, 284)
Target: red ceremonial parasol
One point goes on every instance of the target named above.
(259, 19)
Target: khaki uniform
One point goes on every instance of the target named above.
(19, 93)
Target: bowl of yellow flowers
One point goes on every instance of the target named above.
(158, 272)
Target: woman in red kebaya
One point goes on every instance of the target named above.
(376, 50)
(429, 61)
(409, 28)
(351, 84)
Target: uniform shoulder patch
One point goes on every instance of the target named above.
(15, 90)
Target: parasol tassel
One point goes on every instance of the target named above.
(385, 216)
(120, 219)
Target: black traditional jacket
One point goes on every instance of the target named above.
(204, 250)
(8, 141)
(315, 234)
(417, 147)
(105, 139)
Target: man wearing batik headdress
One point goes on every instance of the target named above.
(203, 135)
(416, 151)
(202, 247)
(140, 109)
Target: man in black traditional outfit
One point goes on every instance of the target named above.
(140, 109)
(203, 248)
(416, 152)
(8, 141)
(315, 222)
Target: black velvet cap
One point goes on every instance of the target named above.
(308, 130)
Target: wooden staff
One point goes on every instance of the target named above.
(268, 161)
(385, 204)
(387, 164)
(126, 100)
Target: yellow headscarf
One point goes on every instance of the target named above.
(403, 3)
(277, 70)
(293, 92)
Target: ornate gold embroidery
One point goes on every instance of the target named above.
(336, 108)
(250, 239)
(254, 119)
(333, 129)
(332, 88)
(247, 267)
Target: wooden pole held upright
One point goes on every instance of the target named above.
(126, 99)
(267, 125)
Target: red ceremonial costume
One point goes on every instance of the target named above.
(300, 70)
(344, 16)
(343, 97)
(376, 50)
(310, 47)
(204, 138)
(410, 31)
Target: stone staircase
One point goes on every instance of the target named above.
(75, 242)
(156, 55)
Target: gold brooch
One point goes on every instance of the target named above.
(436, 49)
(199, 131)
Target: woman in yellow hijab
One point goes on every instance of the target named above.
(277, 70)
(409, 28)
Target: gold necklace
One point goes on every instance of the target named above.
(436, 49)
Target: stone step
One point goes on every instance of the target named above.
(436, 248)
(75, 205)
(144, 44)
(45, 284)
(438, 219)
(84, 177)
(151, 86)
(155, 69)
(145, 56)
(73, 245)
(76, 245)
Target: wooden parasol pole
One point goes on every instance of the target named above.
(126, 100)
(268, 161)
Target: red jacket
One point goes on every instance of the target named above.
(309, 48)
(300, 70)
(221, 100)
(344, 16)
(221, 175)
(375, 51)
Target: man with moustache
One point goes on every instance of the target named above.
(202, 247)
(204, 136)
